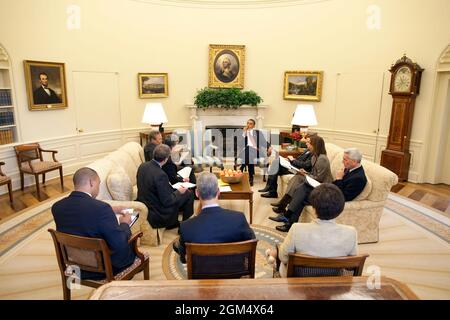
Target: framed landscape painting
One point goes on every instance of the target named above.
(226, 66)
(303, 85)
(46, 85)
(153, 85)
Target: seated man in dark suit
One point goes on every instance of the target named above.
(213, 224)
(81, 215)
(154, 190)
(351, 180)
(155, 138)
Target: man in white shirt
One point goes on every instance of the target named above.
(255, 146)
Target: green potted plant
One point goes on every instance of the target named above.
(227, 98)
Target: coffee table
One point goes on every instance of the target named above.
(240, 191)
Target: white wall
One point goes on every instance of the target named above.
(129, 37)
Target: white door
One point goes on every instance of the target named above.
(97, 101)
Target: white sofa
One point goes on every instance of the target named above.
(117, 172)
(365, 211)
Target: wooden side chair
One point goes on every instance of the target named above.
(4, 179)
(93, 254)
(221, 260)
(30, 161)
(300, 265)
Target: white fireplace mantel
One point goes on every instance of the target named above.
(221, 116)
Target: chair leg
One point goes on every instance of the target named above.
(66, 290)
(36, 177)
(147, 270)
(10, 192)
(61, 178)
(43, 178)
(21, 181)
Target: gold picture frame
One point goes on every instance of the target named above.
(153, 85)
(303, 85)
(46, 85)
(226, 66)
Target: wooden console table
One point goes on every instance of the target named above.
(325, 288)
(294, 152)
(143, 137)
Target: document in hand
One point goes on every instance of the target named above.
(185, 172)
(312, 182)
(179, 185)
(287, 164)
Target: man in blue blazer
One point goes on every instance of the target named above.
(81, 214)
(213, 224)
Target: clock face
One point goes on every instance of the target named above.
(402, 80)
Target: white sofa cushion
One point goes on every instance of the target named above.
(119, 185)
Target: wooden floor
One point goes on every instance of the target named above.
(28, 197)
(436, 196)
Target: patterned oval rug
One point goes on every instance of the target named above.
(267, 238)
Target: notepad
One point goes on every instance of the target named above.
(222, 183)
(134, 215)
(225, 189)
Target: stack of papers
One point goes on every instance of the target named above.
(225, 189)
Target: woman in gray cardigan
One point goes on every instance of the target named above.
(320, 171)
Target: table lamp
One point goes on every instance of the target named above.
(304, 117)
(155, 116)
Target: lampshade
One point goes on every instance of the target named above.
(154, 114)
(304, 116)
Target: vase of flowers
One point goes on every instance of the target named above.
(296, 137)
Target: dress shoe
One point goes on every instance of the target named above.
(284, 228)
(267, 188)
(278, 210)
(279, 218)
(276, 204)
(270, 195)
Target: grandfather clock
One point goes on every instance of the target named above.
(405, 85)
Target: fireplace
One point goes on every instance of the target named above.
(224, 122)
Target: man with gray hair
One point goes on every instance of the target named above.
(155, 191)
(213, 224)
(351, 179)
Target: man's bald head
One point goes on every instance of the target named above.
(86, 180)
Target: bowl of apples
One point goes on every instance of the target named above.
(231, 176)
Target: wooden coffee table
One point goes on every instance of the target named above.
(240, 191)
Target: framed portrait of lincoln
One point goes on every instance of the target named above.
(226, 66)
(46, 85)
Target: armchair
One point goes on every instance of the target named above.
(30, 161)
(93, 254)
(4, 179)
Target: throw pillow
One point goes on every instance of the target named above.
(119, 185)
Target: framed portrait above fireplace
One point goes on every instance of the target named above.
(226, 66)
